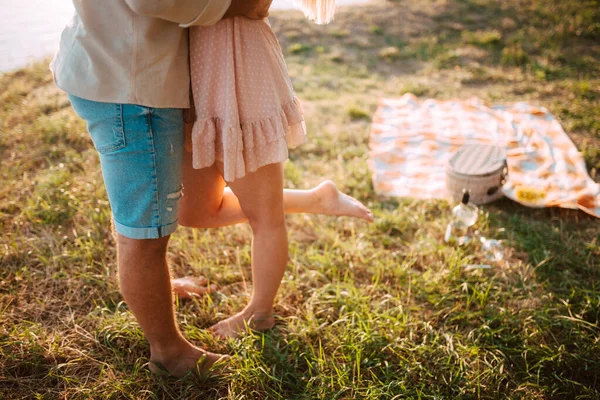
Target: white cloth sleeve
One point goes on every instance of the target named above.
(184, 12)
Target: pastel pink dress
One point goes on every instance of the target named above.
(247, 113)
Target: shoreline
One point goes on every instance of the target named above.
(26, 60)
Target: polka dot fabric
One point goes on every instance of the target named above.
(247, 113)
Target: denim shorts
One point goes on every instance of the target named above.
(141, 151)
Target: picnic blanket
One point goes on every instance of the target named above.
(411, 141)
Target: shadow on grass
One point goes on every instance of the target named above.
(559, 341)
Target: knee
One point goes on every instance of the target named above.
(142, 247)
(266, 220)
(197, 218)
(187, 219)
(194, 218)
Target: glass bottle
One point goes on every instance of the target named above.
(464, 216)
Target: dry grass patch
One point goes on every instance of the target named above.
(365, 311)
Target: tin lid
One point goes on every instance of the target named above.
(478, 159)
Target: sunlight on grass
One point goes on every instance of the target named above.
(377, 311)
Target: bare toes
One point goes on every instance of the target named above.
(191, 280)
(234, 326)
(188, 287)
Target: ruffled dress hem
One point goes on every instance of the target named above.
(246, 147)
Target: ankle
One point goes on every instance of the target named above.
(170, 350)
(258, 310)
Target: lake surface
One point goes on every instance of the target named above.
(30, 29)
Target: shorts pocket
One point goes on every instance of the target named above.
(110, 135)
(104, 123)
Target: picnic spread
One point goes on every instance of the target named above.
(413, 140)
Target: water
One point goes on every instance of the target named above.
(30, 29)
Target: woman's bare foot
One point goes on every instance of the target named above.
(334, 202)
(191, 286)
(234, 326)
(178, 362)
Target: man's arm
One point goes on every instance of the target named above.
(199, 12)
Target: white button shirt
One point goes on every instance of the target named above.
(131, 51)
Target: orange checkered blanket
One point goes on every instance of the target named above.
(411, 140)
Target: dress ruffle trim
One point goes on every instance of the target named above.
(247, 147)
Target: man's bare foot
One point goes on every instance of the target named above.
(234, 326)
(180, 362)
(334, 202)
(191, 286)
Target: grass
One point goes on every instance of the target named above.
(375, 311)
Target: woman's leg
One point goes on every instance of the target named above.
(261, 198)
(207, 203)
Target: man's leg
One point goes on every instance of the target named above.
(145, 286)
(141, 152)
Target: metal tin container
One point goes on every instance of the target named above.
(481, 169)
